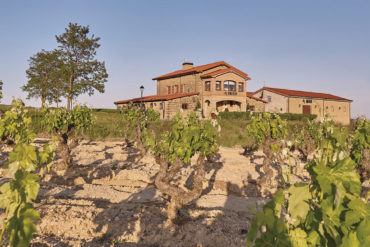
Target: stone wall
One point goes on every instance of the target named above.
(172, 107)
(258, 105)
(338, 111)
(278, 103)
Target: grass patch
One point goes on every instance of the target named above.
(109, 124)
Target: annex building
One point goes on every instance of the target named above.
(292, 101)
(207, 88)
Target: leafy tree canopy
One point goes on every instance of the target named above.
(45, 77)
(84, 73)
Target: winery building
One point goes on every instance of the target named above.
(209, 88)
(292, 101)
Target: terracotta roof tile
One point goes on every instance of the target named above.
(222, 71)
(296, 93)
(250, 95)
(157, 97)
(199, 69)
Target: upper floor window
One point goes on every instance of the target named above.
(218, 85)
(169, 89)
(229, 85)
(184, 106)
(176, 88)
(268, 98)
(207, 86)
(241, 87)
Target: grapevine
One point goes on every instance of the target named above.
(360, 151)
(24, 162)
(63, 124)
(268, 132)
(137, 121)
(174, 150)
(327, 211)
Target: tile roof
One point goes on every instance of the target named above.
(250, 95)
(222, 71)
(199, 69)
(157, 97)
(296, 93)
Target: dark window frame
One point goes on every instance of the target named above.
(241, 89)
(207, 86)
(219, 86)
(229, 83)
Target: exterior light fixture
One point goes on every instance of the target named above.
(142, 90)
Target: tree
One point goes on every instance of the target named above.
(44, 77)
(83, 72)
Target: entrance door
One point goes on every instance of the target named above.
(306, 109)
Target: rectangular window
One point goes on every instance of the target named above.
(229, 85)
(218, 85)
(169, 89)
(184, 106)
(207, 86)
(251, 107)
(161, 106)
(181, 88)
(176, 89)
(309, 101)
(241, 87)
(268, 98)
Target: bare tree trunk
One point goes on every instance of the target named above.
(69, 100)
(58, 97)
(179, 197)
(43, 99)
(70, 94)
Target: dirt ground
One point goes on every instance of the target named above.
(108, 198)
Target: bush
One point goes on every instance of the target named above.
(106, 110)
(235, 115)
(248, 115)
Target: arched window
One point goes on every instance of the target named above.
(229, 86)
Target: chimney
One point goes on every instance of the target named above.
(187, 65)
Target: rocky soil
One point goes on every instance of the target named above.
(108, 198)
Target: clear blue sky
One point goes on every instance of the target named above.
(321, 46)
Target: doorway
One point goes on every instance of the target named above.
(306, 109)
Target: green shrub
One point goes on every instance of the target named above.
(106, 110)
(247, 115)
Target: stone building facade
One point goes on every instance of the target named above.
(255, 104)
(292, 101)
(212, 87)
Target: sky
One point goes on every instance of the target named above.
(319, 46)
